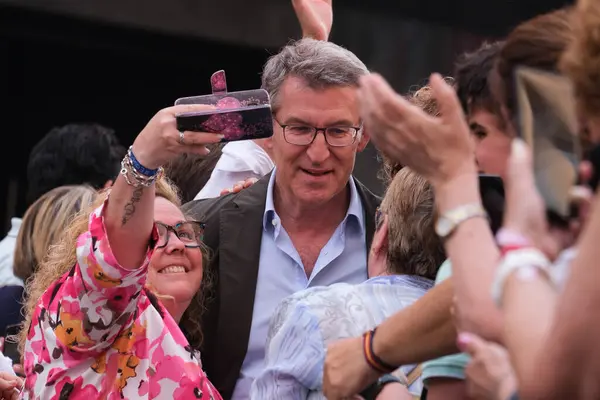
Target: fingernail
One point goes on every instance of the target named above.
(463, 340)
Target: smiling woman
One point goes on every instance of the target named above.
(172, 284)
(176, 269)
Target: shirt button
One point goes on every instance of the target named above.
(275, 221)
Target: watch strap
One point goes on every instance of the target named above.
(452, 219)
(375, 389)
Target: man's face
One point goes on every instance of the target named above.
(315, 173)
(493, 144)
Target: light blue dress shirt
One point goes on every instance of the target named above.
(281, 274)
(305, 323)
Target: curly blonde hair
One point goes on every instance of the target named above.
(581, 60)
(62, 257)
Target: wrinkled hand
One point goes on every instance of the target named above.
(159, 142)
(346, 372)
(10, 385)
(315, 17)
(239, 186)
(489, 373)
(438, 148)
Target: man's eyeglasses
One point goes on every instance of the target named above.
(304, 135)
(188, 232)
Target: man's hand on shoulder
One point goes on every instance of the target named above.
(239, 186)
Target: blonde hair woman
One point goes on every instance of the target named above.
(44, 222)
(93, 328)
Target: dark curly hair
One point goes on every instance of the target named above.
(74, 154)
(471, 73)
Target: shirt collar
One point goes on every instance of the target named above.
(15, 225)
(411, 280)
(355, 209)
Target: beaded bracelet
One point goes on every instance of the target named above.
(372, 359)
(138, 166)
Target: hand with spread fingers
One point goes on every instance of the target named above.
(160, 140)
(438, 148)
(315, 17)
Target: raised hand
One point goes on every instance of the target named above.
(525, 211)
(315, 17)
(160, 140)
(438, 148)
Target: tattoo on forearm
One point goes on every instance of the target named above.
(130, 206)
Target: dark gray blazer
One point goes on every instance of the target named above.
(234, 233)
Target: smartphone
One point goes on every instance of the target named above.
(11, 348)
(594, 159)
(547, 121)
(243, 115)
(491, 189)
(254, 122)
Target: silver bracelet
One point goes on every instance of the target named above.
(133, 177)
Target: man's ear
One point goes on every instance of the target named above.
(266, 144)
(381, 238)
(269, 143)
(363, 141)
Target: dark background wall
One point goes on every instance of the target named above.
(118, 62)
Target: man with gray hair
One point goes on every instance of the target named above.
(308, 223)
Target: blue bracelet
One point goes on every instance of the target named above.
(139, 167)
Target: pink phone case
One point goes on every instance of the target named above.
(243, 115)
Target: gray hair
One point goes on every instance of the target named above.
(321, 64)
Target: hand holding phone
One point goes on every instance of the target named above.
(244, 115)
(548, 123)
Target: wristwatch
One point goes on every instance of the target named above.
(375, 389)
(447, 223)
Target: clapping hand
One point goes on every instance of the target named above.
(438, 148)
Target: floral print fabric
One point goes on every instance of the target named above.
(96, 335)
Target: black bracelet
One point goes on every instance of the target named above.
(374, 357)
(371, 392)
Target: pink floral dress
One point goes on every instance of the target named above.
(96, 335)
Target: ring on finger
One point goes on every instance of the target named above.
(182, 137)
